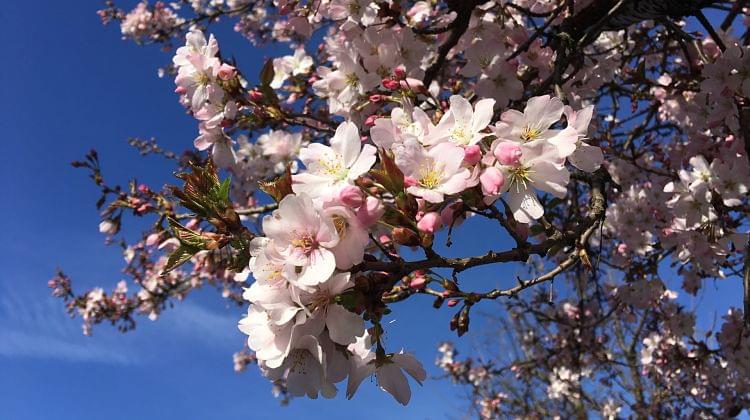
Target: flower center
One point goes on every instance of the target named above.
(430, 177)
(341, 225)
(202, 79)
(304, 243)
(275, 276)
(352, 79)
(333, 167)
(518, 176)
(408, 126)
(459, 134)
(530, 133)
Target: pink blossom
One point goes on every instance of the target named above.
(430, 222)
(437, 171)
(492, 181)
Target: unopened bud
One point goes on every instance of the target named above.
(370, 211)
(226, 72)
(390, 84)
(430, 222)
(492, 181)
(405, 236)
(508, 153)
(472, 154)
(351, 196)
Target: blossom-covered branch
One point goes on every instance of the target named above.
(597, 137)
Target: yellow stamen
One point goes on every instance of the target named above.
(518, 176)
(459, 134)
(341, 225)
(530, 133)
(430, 177)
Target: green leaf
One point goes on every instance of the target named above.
(186, 236)
(180, 256)
(223, 194)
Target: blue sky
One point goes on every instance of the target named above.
(68, 85)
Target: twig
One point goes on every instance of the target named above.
(706, 24)
(460, 25)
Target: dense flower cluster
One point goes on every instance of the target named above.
(604, 156)
(145, 23)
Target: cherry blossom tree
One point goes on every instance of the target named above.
(606, 141)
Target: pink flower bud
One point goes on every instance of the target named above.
(492, 181)
(143, 188)
(370, 211)
(430, 222)
(376, 98)
(419, 281)
(452, 303)
(400, 73)
(351, 196)
(226, 71)
(508, 153)
(390, 84)
(180, 90)
(472, 154)
(410, 181)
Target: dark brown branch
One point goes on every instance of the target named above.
(459, 26)
(711, 31)
(597, 208)
(744, 113)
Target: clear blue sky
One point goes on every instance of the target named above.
(68, 85)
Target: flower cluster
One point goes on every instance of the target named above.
(202, 83)
(145, 23)
(605, 157)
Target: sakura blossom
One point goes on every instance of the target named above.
(463, 125)
(303, 237)
(538, 167)
(432, 174)
(291, 65)
(533, 125)
(329, 168)
(599, 150)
